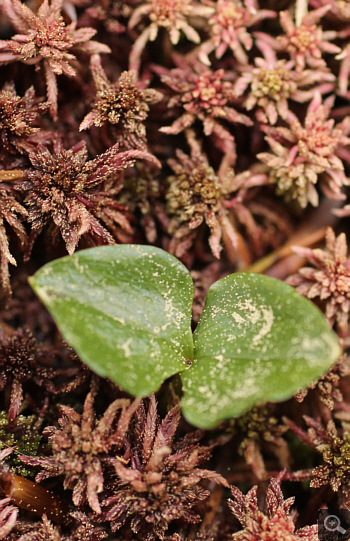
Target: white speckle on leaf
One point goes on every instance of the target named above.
(76, 262)
(120, 320)
(268, 319)
(171, 312)
(126, 347)
(252, 312)
(252, 315)
(238, 319)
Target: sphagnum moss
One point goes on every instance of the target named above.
(265, 96)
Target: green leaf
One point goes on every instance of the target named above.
(257, 340)
(125, 309)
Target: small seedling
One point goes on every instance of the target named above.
(126, 310)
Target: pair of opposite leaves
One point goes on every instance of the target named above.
(126, 310)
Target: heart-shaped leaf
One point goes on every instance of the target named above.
(257, 340)
(125, 309)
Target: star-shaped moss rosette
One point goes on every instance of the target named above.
(126, 310)
(44, 39)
